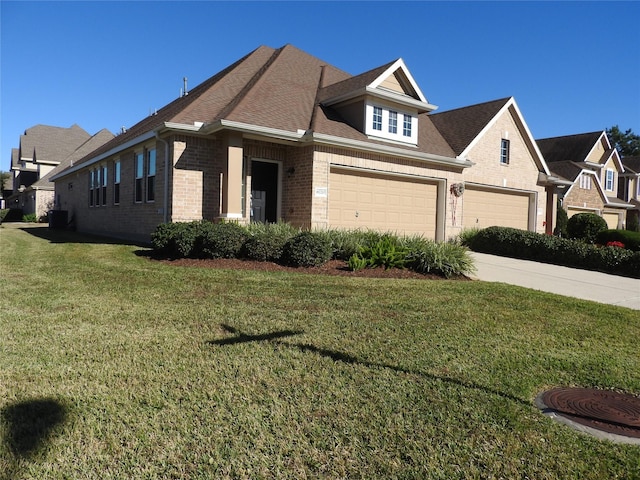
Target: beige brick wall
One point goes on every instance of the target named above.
(578, 197)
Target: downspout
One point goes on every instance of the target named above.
(165, 215)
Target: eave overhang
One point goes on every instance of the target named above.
(381, 94)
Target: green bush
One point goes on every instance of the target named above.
(386, 252)
(466, 236)
(3, 214)
(175, 240)
(633, 222)
(630, 240)
(307, 249)
(265, 241)
(511, 242)
(30, 218)
(561, 221)
(585, 226)
(219, 240)
(442, 258)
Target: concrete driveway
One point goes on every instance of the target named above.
(571, 282)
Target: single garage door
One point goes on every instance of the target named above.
(486, 208)
(382, 202)
(611, 219)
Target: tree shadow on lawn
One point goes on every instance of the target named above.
(342, 357)
(29, 425)
(71, 236)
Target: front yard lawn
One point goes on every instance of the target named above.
(116, 366)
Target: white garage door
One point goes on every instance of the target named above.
(487, 208)
(382, 202)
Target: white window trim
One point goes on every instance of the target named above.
(585, 181)
(384, 133)
(609, 179)
(505, 159)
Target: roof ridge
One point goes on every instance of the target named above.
(227, 109)
(499, 100)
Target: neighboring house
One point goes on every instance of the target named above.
(593, 168)
(282, 135)
(629, 185)
(42, 148)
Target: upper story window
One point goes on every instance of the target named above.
(116, 182)
(139, 170)
(585, 181)
(151, 175)
(504, 151)
(406, 125)
(377, 118)
(393, 121)
(98, 186)
(382, 123)
(609, 180)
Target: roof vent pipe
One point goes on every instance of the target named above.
(184, 81)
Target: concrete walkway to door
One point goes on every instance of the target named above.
(571, 282)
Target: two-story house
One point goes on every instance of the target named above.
(593, 168)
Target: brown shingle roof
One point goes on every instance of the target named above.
(632, 163)
(44, 143)
(565, 169)
(275, 88)
(96, 141)
(461, 126)
(570, 147)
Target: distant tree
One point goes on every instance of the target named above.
(4, 176)
(627, 143)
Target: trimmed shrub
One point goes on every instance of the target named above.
(265, 241)
(633, 222)
(219, 240)
(561, 221)
(307, 249)
(511, 242)
(630, 240)
(30, 218)
(585, 226)
(175, 240)
(465, 237)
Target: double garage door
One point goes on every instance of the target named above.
(486, 208)
(409, 206)
(382, 202)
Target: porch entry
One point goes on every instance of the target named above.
(264, 191)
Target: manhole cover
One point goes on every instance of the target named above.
(603, 413)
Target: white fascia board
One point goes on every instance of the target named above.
(322, 139)
(551, 179)
(124, 146)
(399, 64)
(251, 129)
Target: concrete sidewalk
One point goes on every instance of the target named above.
(571, 282)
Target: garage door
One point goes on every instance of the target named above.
(611, 219)
(486, 208)
(382, 202)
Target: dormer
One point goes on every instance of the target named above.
(383, 103)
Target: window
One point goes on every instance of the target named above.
(139, 176)
(609, 180)
(104, 185)
(377, 118)
(393, 122)
(151, 175)
(585, 181)
(98, 184)
(91, 186)
(116, 183)
(504, 152)
(406, 125)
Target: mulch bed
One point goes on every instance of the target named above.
(333, 267)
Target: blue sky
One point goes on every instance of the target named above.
(573, 67)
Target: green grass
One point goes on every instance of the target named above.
(115, 366)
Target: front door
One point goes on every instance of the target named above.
(264, 191)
